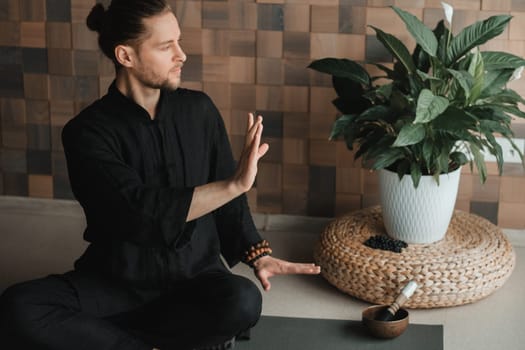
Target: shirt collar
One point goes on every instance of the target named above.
(127, 108)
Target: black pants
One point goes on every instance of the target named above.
(54, 313)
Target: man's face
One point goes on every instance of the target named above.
(159, 55)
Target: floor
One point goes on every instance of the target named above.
(41, 236)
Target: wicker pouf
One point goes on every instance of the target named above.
(472, 261)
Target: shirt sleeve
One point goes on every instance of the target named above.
(237, 231)
(117, 203)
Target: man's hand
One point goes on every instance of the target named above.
(253, 150)
(268, 266)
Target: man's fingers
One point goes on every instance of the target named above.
(309, 269)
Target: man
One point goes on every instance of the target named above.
(151, 165)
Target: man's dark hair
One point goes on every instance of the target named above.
(122, 23)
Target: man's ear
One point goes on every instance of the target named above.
(124, 55)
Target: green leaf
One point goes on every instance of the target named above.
(478, 72)
(459, 158)
(340, 125)
(479, 160)
(410, 134)
(421, 33)
(396, 48)
(387, 158)
(495, 60)
(494, 81)
(342, 67)
(415, 173)
(429, 106)
(464, 79)
(475, 35)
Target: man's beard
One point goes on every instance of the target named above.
(168, 83)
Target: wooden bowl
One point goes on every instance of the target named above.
(385, 329)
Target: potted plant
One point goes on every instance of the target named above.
(443, 106)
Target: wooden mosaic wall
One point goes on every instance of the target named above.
(248, 55)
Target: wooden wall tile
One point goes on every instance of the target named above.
(457, 4)
(510, 215)
(321, 125)
(275, 150)
(487, 210)
(273, 123)
(14, 161)
(80, 10)
(192, 41)
(349, 181)
(243, 15)
(216, 68)
(9, 33)
(352, 19)
(512, 189)
(9, 10)
(295, 202)
(34, 60)
(215, 14)
(347, 203)
(325, 19)
(38, 137)
(295, 177)
(295, 99)
(85, 62)
(219, 92)
(296, 125)
(296, 17)
(270, 71)
(83, 38)
(86, 89)
(296, 72)
(242, 43)
(269, 178)
(518, 5)
(516, 26)
(270, 17)
(58, 35)
(295, 151)
(36, 86)
(33, 34)
(189, 14)
(13, 123)
(58, 10)
(15, 184)
(60, 61)
(269, 44)
(296, 45)
(496, 5)
(487, 192)
(40, 186)
(38, 162)
(351, 46)
(322, 152)
(345, 157)
(12, 82)
(466, 186)
(192, 70)
(380, 3)
(60, 112)
(32, 10)
(321, 100)
(243, 97)
(242, 70)
(269, 98)
(215, 42)
(61, 88)
(37, 112)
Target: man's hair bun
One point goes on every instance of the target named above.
(95, 19)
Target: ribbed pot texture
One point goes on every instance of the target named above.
(418, 215)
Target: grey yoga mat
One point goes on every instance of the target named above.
(286, 333)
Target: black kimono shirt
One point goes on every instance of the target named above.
(134, 178)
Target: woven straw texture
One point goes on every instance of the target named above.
(471, 262)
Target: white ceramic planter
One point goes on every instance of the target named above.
(417, 215)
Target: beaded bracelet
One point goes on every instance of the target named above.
(256, 252)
